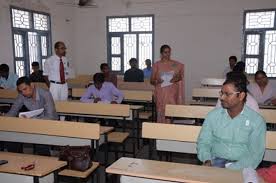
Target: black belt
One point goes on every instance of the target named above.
(56, 82)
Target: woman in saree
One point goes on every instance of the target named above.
(168, 79)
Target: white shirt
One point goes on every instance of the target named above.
(250, 102)
(262, 98)
(51, 68)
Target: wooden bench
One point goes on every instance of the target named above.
(200, 112)
(146, 86)
(7, 96)
(79, 81)
(144, 97)
(202, 94)
(104, 111)
(148, 171)
(44, 166)
(212, 82)
(41, 85)
(188, 134)
(129, 96)
(48, 132)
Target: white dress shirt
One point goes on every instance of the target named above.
(51, 68)
(262, 98)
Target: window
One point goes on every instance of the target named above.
(31, 39)
(129, 36)
(259, 51)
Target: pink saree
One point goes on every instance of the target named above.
(173, 94)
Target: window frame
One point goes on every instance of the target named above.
(109, 35)
(24, 32)
(261, 32)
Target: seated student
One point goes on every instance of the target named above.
(37, 75)
(147, 71)
(134, 74)
(33, 98)
(262, 89)
(232, 62)
(250, 100)
(108, 75)
(7, 79)
(232, 136)
(102, 92)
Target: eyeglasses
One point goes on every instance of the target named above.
(227, 94)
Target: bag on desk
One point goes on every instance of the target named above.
(77, 157)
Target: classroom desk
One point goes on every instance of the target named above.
(132, 116)
(175, 172)
(213, 103)
(43, 166)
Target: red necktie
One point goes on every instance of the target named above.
(61, 72)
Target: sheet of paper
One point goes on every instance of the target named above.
(166, 77)
(31, 114)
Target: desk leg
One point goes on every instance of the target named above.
(106, 150)
(36, 179)
(55, 176)
(133, 144)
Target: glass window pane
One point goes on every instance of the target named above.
(18, 45)
(141, 24)
(43, 45)
(41, 22)
(252, 44)
(33, 48)
(115, 45)
(19, 67)
(43, 61)
(129, 49)
(270, 54)
(118, 24)
(251, 65)
(145, 49)
(260, 20)
(116, 64)
(20, 19)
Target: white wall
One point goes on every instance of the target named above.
(61, 22)
(202, 33)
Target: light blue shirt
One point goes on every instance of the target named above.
(240, 139)
(147, 73)
(9, 83)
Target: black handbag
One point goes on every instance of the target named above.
(77, 157)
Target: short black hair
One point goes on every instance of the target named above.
(163, 47)
(26, 80)
(260, 72)
(233, 58)
(238, 79)
(103, 65)
(133, 60)
(4, 68)
(57, 44)
(35, 64)
(98, 78)
(239, 67)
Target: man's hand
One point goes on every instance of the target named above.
(207, 163)
(23, 116)
(96, 100)
(113, 102)
(273, 102)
